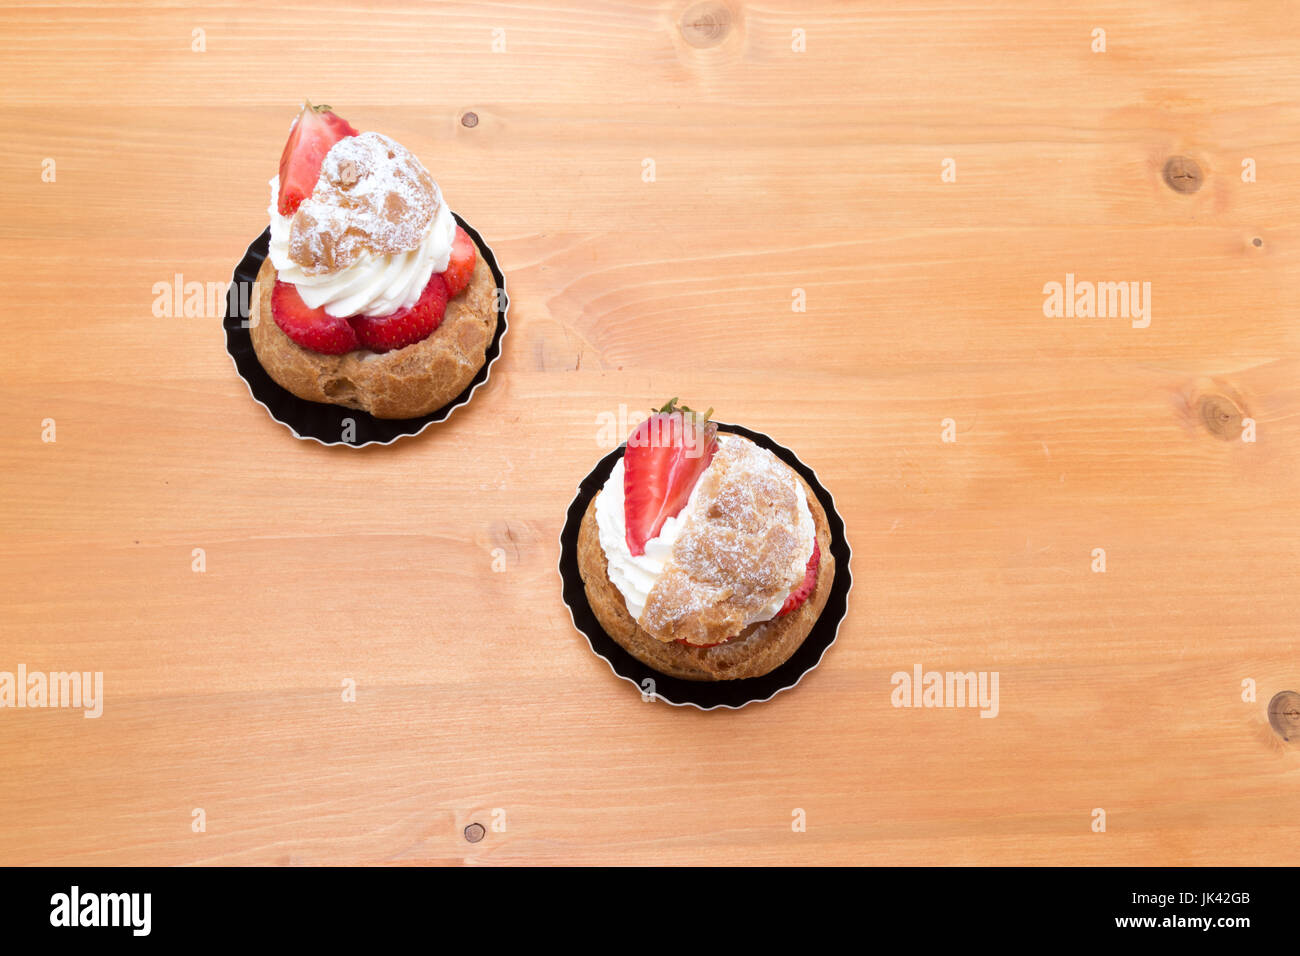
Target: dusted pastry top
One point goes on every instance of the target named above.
(730, 558)
(373, 197)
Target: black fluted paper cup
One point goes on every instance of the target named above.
(315, 421)
(707, 695)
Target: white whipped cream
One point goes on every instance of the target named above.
(373, 285)
(636, 575)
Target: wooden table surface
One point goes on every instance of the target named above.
(793, 147)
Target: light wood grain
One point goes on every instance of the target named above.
(775, 170)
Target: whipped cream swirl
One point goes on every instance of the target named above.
(373, 285)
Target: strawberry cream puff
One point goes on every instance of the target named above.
(371, 296)
(704, 555)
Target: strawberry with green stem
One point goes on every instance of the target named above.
(315, 130)
(666, 455)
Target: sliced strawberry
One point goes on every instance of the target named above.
(310, 137)
(461, 266)
(382, 333)
(660, 470)
(800, 594)
(313, 329)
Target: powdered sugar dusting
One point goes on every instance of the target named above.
(373, 197)
(744, 545)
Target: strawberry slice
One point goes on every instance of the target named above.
(312, 134)
(461, 266)
(665, 457)
(313, 329)
(800, 594)
(382, 333)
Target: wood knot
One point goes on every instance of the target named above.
(705, 24)
(1284, 714)
(469, 119)
(1220, 416)
(475, 832)
(1182, 174)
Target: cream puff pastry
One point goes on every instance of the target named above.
(704, 555)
